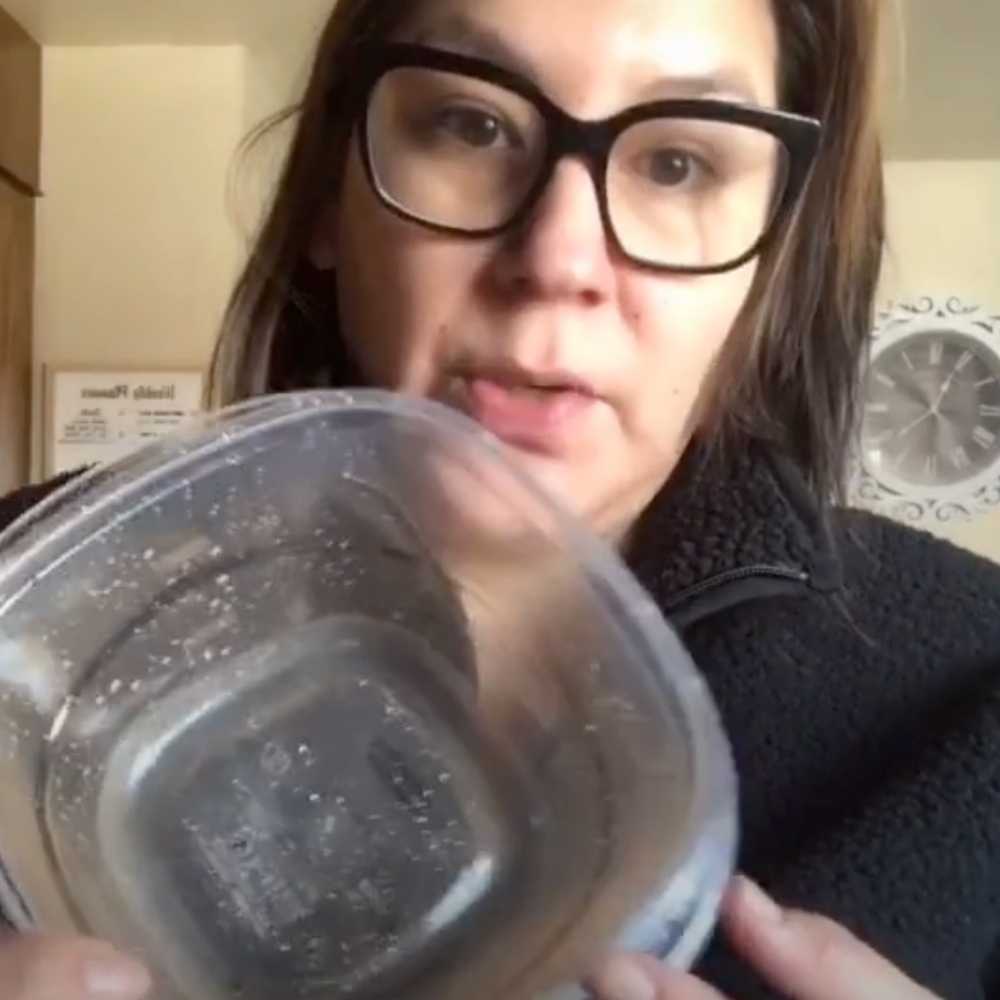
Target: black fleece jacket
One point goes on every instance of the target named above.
(856, 664)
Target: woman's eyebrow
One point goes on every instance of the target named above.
(729, 82)
(464, 36)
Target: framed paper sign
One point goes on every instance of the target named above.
(98, 416)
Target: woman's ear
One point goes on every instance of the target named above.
(323, 244)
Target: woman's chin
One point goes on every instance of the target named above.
(571, 485)
(553, 474)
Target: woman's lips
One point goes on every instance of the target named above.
(537, 417)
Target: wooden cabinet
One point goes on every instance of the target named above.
(17, 252)
(20, 103)
(20, 126)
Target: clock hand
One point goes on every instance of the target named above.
(915, 423)
(944, 388)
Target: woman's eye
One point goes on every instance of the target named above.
(672, 167)
(474, 127)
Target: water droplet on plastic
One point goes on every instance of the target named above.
(275, 760)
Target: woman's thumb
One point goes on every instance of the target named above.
(35, 967)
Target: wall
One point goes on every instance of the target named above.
(277, 71)
(136, 248)
(944, 236)
(944, 229)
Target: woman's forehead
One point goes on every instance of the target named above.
(589, 53)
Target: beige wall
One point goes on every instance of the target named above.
(944, 229)
(944, 236)
(273, 79)
(136, 249)
(277, 71)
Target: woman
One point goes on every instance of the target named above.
(662, 315)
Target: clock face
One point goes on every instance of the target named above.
(932, 410)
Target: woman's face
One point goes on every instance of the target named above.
(476, 322)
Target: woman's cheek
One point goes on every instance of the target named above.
(681, 330)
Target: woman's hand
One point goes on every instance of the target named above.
(804, 956)
(33, 967)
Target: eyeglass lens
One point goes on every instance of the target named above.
(463, 153)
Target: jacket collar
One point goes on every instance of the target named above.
(712, 523)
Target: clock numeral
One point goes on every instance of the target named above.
(984, 438)
(931, 467)
(985, 382)
(936, 352)
(986, 410)
(885, 380)
(960, 458)
(909, 363)
(877, 408)
(963, 361)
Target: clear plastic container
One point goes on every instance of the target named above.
(325, 699)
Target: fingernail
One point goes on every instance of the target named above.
(624, 980)
(758, 902)
(119, 978)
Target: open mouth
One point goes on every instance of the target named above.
(528, 390)
(523, 382)
(539, 412)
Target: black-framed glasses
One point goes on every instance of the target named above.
(463, 146)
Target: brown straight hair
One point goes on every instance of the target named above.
(790, 371)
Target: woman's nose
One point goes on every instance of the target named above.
(561, 250)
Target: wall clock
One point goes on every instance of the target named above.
(930, 430)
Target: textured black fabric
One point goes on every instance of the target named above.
(21, 501)
(864, 714)
(856, 664)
